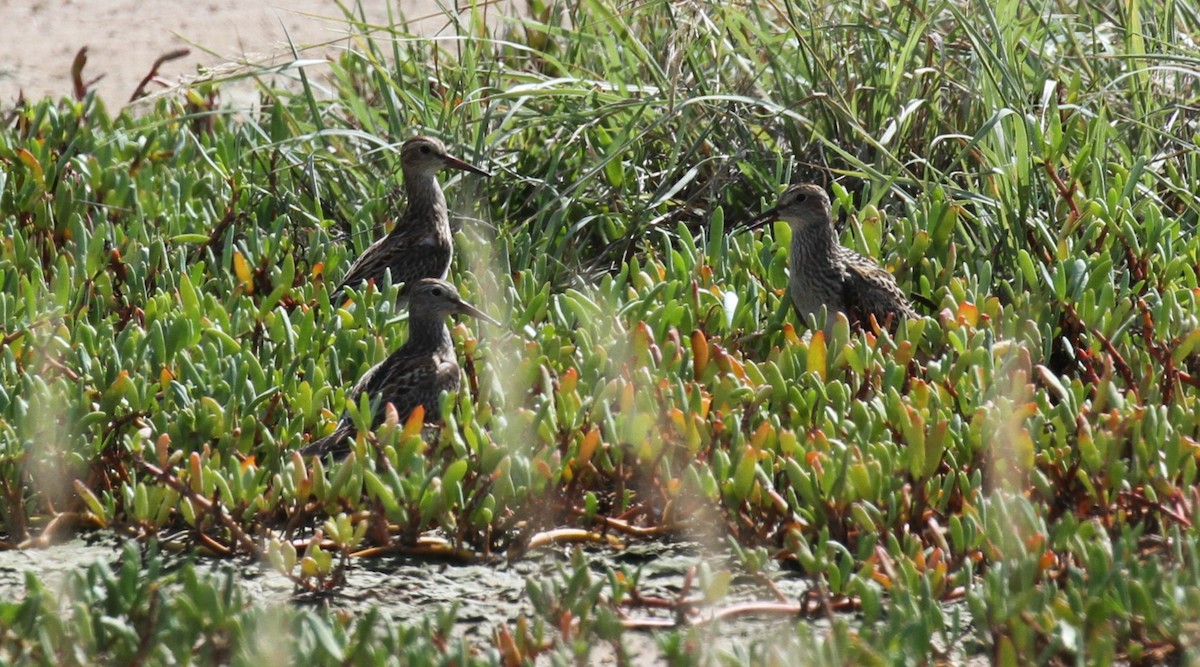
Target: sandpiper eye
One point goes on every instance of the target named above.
(801, 198)
(425, 150)
(437, 291)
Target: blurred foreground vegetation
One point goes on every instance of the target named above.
(1012, 477)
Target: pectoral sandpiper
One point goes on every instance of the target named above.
(825, 273)
(415, 374)
(420, 245)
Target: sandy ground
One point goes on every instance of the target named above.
(40, 38)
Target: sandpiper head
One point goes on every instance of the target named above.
(801, 206)
(428, 155)
(438, 297)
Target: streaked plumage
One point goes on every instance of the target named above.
(415, 374)
(420, 245)
(824, 273)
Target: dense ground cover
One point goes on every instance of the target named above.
(1026, 453)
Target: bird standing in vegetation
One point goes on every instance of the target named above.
(419, 371)
(825, 273)
(420, 245)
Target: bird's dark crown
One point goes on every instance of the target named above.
(804, 207)
(426, 155)
(438, 297)
(803, 200)
(430, 289)
(423, 150)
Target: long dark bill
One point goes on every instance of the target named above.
(452, 161)
(467, 309)
(769, 215)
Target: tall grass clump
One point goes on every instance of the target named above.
(1011, 476)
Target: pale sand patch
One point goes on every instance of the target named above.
(39, 38)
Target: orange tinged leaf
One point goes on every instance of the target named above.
(588, 447)
(968, 313)
(789, 334)
(727, 363)
(1025, 411)
(760, 435)
(510, 653)
(699, 353)
(1047, 561)
(470, 343)
(1189, 446)
(194, 472)
(543, 469)
(816, 354)
(627, 397)
(241, 268)
(722, 359)
(122, 383)
(569, 379)
(248, 463)
(165, 376)
(739, 371)
(678, 419)
(318, 269)
(162, 448)
(31, 162)
(935, 557)
(642, 338)
(412, 425)
(565, 625)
